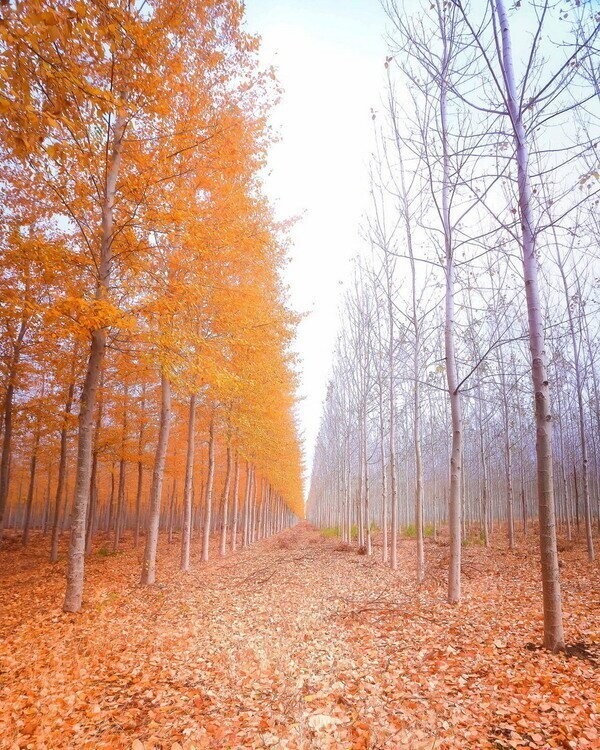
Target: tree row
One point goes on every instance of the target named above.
(145, 338)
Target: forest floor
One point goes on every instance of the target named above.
(296, 643)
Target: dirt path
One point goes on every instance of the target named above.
(294, 643)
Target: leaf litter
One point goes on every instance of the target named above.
(297, 643)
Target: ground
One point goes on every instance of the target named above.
(296, 643)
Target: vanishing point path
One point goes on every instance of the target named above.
(296, 642)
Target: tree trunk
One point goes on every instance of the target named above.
(31, 489)
(246, 505)
(225, 506)
(76, 559)
(140, 471)
(120, 505)
(563, 471)
(367, 506)
(404, 199)
(122, 469)
(76, 554)
(172, 511)
(60, 484)
(484, 475)
(93, 510)
(7, 414)
(111, 500)
(236, 500)
(209, 491)
(454, 500)
(382, 451)
(579, 386)
(186, 535)
(507, 457)
(47, 499)
(417, 448)
(553, 627)
(149, 564)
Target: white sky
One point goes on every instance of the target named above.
(330, 59)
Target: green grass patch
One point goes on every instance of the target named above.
(410, 531)
(474, 539)
(332, 532)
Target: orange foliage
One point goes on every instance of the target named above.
(195, 255)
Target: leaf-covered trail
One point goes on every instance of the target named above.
(294, 643)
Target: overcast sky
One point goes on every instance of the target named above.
(330, 59)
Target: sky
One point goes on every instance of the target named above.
(329, 55)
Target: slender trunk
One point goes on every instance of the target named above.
(484, 476)
(172, 511)
(523, 508)
(260, 505)
(454, 501)
(563, 471)
(93, 509)
(348, 490)
(415, 364)
(140, 471)
(418, 490)
(225, 506)
(31, 489)
(149, 563)
(382, 451)
(417, 445)
(7, 414)
(576, 493)
(60, 484)
(76, 558)
(111, 499)
(368, 534)
(122, 469)
(507, 458)
(596, 410)
(246, 504)
(236, 500)
(209, 491)
(553, 627)
(187, 488)
(384, 494)
(433, 466)
(47, 500)
(579, 386)
(76, 553)
(253, 509)
(138, 503)
(120, 505)
(359, 494)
